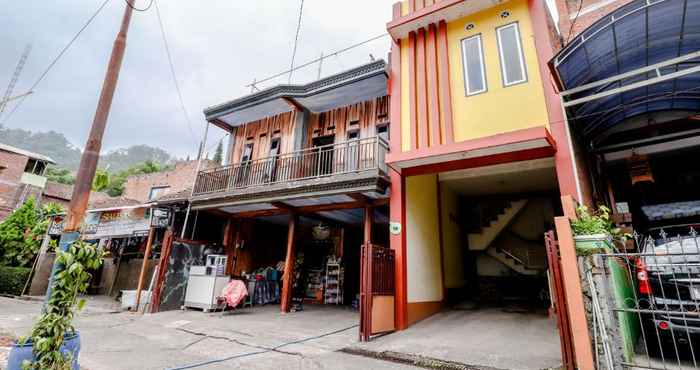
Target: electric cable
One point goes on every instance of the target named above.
(273, 349)
(296, 41)
(172, 69)
(325, 56)
(57, 58)
(573, 23)
(128, 3)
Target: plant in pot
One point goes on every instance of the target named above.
(54, 344)
(594, 231)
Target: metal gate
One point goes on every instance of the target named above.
(376, 291)
(559, 300)
(645, 302)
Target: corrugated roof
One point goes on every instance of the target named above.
(356, 85)
(27, 153)
(639, 34)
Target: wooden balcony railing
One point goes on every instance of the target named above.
(353, 156)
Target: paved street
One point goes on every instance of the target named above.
(260, 338)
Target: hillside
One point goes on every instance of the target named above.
(67, 155)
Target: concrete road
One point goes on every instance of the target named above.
(481, 338)
(258, 338)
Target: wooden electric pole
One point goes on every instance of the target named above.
(91, 154)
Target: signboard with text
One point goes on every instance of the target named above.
(118, 222)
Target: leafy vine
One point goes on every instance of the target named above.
(71, 279)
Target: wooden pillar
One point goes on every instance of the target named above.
(288, 277)
(144, 266)
(230, 241)
(162, 269)
(369, 220)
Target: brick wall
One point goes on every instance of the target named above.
(10, 175)
(180, 178)
(591, 10)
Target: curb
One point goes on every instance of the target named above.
(414, 360)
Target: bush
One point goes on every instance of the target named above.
(12, 279)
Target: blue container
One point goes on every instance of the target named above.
(21, 352)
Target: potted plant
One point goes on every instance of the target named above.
(54, 344)
(593, 231)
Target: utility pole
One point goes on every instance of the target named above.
(91, 154)
(88, 161)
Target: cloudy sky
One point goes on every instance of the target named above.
(218, 47)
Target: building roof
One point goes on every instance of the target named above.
(622, 65)
(26, 153)
(180, 196)
(65, 192)
(112, 203)
(57, 190)
(353, 86)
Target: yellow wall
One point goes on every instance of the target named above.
(452, 247)
(423, 240)
(500, 109)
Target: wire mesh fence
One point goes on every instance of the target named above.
(645, 302)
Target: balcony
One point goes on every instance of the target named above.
(340, 168)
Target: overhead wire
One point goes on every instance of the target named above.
(296, 41)
(325, 56)
(128, 3)
(57, 58)
(172, 69)
(573, 23)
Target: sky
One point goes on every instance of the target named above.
(218, 47)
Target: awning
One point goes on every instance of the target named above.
(644, 57)
(507, 147)
(353, 86)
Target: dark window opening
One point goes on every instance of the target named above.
(383, 132)
(35, 167)
(247, 152)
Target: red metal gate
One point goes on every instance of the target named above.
(376, 291)
(559, 300)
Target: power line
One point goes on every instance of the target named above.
(296, 41)
(172, 70)
(57, 58)
(128, 3)
(571, 28)
(335, 53)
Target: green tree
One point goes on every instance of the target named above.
(21, 232)
(101, 180)
(117, 180)
(60, 175)
(219, 153)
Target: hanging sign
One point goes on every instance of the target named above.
(160, 218)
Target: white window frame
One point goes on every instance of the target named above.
(521, 56)
(465, 71)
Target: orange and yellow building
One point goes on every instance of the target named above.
(475, 119)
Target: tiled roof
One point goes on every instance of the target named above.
(65, 192)
(113, 203)
(56, 190)
(181, 195)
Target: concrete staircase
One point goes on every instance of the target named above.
(512, 261)
(480, 241)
